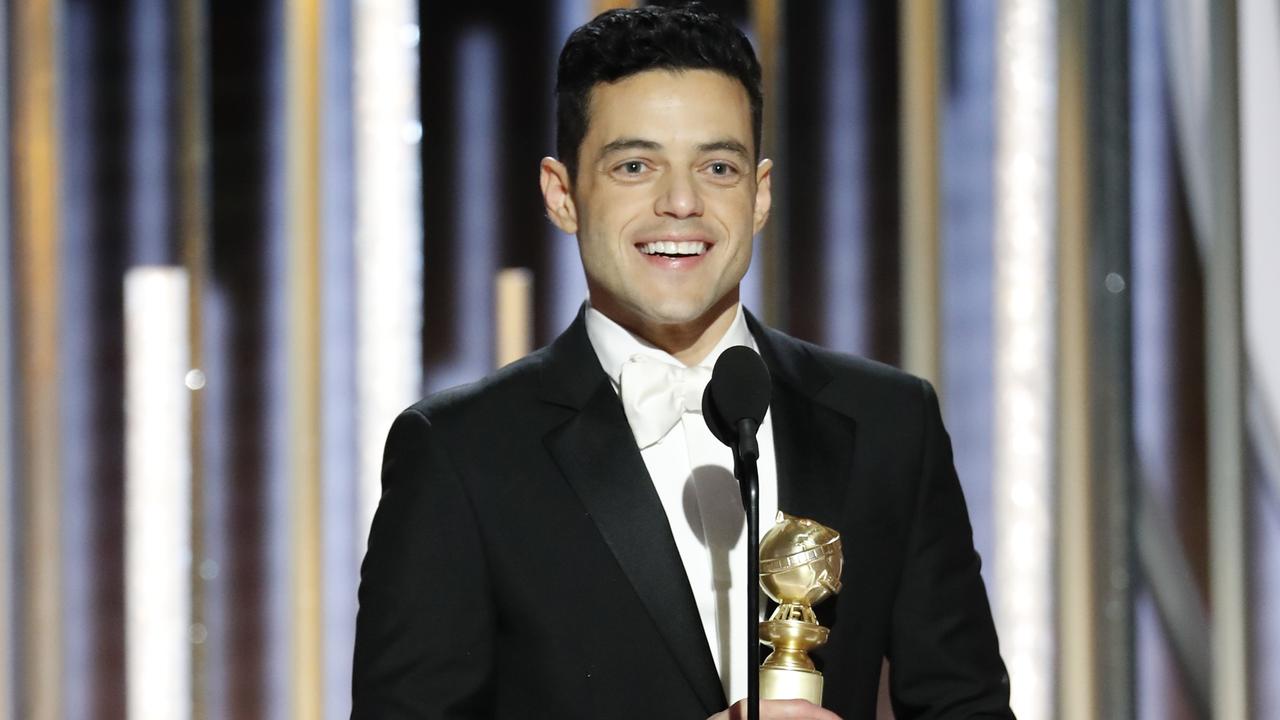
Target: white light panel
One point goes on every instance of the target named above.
(157, 495)
(388, 230)
(1025, 237)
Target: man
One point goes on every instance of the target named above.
(564, 539)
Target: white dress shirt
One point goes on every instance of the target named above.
(693, 475)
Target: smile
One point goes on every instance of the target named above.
(674, 248)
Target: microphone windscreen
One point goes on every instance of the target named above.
(739, 389)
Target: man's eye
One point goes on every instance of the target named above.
(722, 169)
(632, 167)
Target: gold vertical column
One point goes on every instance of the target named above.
(513, 301)
(599, 6)
(35, 199)
(303, 23)
(766, 21)
(193, 220)
(920, 189)
(1078, 629)
(920, 60)
(8, 469)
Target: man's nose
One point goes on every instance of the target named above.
(679, 197)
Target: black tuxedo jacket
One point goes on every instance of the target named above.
(520, 563)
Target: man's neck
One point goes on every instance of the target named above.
(690, 342)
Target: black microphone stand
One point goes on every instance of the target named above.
(745, 454)
(734, 404)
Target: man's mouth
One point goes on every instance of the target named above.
(674, 248)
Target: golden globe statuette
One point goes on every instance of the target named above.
(800, 563)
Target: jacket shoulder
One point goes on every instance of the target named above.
(854, 385)
(493, 399)
(866, 373)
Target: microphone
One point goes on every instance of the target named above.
(733, 406)
(736, 400)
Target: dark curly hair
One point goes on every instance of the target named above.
(621, 43)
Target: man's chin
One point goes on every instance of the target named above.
(683, 315)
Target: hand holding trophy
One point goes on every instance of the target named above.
(800, 564)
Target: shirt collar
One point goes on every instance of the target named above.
(614, 344)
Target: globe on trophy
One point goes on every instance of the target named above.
(800, 563)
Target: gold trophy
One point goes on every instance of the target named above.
(800, 563)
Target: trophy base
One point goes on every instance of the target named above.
(790, 684)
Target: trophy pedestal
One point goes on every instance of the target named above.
(790, 684)
(788, 673)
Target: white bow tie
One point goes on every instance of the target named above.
(655, 394)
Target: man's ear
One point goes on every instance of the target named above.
(556, 195)
(764, 194)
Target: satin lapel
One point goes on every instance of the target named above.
(814, 449)
(813, 443)
(597, 454)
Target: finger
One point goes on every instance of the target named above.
(778, 710)
(794, 710)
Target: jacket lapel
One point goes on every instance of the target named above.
(596, 451)
(813, 443)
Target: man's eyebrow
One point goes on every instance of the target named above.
(629, 144)
(732, 146)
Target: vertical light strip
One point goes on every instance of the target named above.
(767, 24)
(477, 71)
(193, 223)
(341, 491)
(1260, 229)
(82, 394)
(844, 223)
(1024, 321)
(35, 202)
(563, 274)
(513, 306)
(157, 494)
(149, 132)
(1154, 244)
(1225, 369)
(388, 236)
(304, 53)
(968, 265)
(1076, 607)
(8, 473)
(920, 62)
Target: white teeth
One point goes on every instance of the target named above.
(671, 247)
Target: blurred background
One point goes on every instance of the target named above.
(238, 238)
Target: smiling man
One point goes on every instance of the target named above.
(565, 539)
(665, 199)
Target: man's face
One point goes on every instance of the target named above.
(667, 196)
